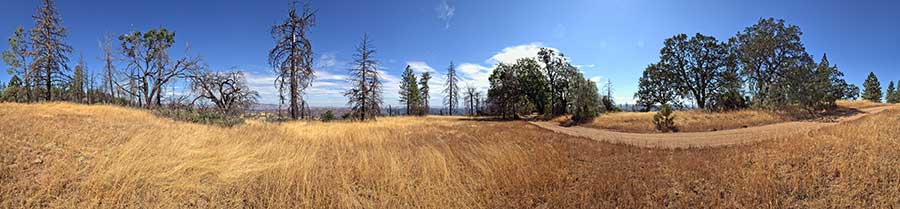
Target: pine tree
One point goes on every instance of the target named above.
(872, 88)
(423, 89)
(409, 91)
(891, 95)
(50, 51)
(452, 89)
(364, 97)
(17, 57)
(76, 90)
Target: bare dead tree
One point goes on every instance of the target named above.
(292, 57)
(364, 97)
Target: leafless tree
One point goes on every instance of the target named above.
(364, 97)
(470, 97)
(227, 91)
(292, 57)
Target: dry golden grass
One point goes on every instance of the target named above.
(702, 121)
(113, 157)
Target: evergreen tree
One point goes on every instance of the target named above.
(409, 91)
(451, 91)
(17, 57)
(424, 90)
(49, 49)
(76, 89)
(872, 88)
(364, 97)
(891, 93)
(13, 91)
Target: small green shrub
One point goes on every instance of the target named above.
(665, 119)
(327, 116)
(200, 116)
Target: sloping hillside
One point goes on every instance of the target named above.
(75, 156)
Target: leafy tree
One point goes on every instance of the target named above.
(765, 51)
(891, 95)
(17, 57)
(409, 91)
(556, 69)
(292, 57)
(872, 88)
(585, 99)
(535, 89)
(694, 66)
(654, 87)
(364, 97)
(147, 57)
(452, 89)
(227, 91)
(423, 89)
(50, 61)
(504, 95)
(729, 95)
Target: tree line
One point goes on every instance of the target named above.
(547, 85)
(765, 65)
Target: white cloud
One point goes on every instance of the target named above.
(420, 67)
(475, 75)
(510, 54)
(445, 12)
(596, 79)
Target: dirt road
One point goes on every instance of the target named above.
(703, 139)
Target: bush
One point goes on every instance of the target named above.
(327, 116)
(200, 116)
(665, 119)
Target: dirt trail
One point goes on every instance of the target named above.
(703, 139)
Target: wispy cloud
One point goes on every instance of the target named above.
(445, 12)
(420, 67)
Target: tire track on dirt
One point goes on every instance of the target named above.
(703, 139)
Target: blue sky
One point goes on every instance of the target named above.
(612, 40)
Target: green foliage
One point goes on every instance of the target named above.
(409, 92)
(728, 96)
(534, 86)
(505, 95)
(424, 91)
(328, 116)
(14, 91)
(655, 87)
(764, 52)
(202, 116)
(851, 92)
(892, 93)
(872, 88)
(665, 119)
(585, 100)
(693, 65)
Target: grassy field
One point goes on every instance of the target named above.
(702, 121)
(62, 155)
